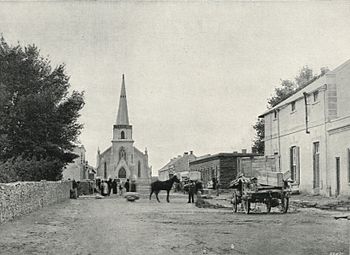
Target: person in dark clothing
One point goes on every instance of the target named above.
(127, 185)
(191, 191)
(75, 189)
(120, 188)
(109, 183)
(133, 186)
(114, 186)
(214, 183)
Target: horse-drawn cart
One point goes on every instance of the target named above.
(248, 191)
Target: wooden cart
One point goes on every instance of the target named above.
(248, 191)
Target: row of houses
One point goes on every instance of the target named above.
(222, 167)
(307, 137)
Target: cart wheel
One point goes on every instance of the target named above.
(285, 204)
(235, 204)
(246, 206)
(268, 205)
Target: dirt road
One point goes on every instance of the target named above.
(114, 226)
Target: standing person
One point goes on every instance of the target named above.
(191, 191)
(214, 183)
(133, 186)
(104, 188)
(101, 187)
(114, 186)
(127, 185)
(218, 187)
(121, 188)
(109, 183)
(75, 189)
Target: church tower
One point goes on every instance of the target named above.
(122, 160)
(122, 143)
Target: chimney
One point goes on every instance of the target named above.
(244, 151)
(191, 152)
(235, 152)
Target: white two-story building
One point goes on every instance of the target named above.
(310, 132)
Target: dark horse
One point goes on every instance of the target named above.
(165, 185)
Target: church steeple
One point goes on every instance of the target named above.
(123, 117)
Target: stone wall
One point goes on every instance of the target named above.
(20, 198)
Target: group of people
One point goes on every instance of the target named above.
(106, 187)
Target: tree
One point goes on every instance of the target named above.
(286, 89)
(258, 142)
(38, 115)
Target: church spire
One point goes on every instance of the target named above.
(123, 117)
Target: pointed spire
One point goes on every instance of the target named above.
(123, 117)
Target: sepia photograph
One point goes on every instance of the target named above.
(192, 127)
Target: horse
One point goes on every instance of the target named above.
(163, 185)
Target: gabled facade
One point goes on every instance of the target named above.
(123, 160)
(310, 132)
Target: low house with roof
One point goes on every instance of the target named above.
(223, 167)
(310, 133)
(178, 165)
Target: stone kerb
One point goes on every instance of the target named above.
(20, 198)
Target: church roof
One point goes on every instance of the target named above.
(123, 117)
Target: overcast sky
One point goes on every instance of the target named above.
(197, 74)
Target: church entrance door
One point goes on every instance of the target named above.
(122, 173)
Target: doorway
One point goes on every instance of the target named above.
(316, 165)
(122, 173)
(295, 164)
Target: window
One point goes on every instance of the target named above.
(275, 114)
(293, 106)
(122, 135)
(122, 153)
(139, 169)
(315, 95)
(105, 170)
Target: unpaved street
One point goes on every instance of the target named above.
(114, 226)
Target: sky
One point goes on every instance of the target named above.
(197, 73)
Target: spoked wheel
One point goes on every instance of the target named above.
(246, 206)
(235, 203)
(268, 205)
(285, 204)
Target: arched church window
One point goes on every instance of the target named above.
(122, 173)
(105, 170)
(122, 153)
(122, 135)
(139, 169)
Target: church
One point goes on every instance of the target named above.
(122, 160)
